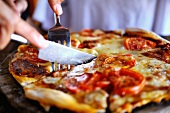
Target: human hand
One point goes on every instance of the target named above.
(11, 22)
(18, 6)
(56, 6)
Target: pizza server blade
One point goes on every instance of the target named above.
(18, 38)
(58, 53)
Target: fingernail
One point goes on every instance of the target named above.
(59, 10)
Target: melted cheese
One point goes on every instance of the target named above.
(90, 51)
(110, 46)
(155, 69)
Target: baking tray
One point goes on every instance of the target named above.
(12, 99)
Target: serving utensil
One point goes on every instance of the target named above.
(59, 34)
(18, 38)
(61, 54)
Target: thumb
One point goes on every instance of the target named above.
(56, 6)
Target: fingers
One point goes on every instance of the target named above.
(21, 5)
(10, 22)
(30, 33)
(56, 6)
(7, 23)
(17, 5)
(4, 38)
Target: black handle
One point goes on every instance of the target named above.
(57, 20)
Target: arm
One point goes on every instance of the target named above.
(11, 22)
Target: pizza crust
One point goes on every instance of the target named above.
(128, 107)
(47, 96)
(23, 80)
(119, 31)
(144, 33)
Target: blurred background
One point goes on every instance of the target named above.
(151, 15)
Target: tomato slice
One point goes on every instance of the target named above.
(86, 82)
(103, 84)
(94, 81)
(81, 45)
(74, 83)
(33, 58)
(138, 44)
(30, 54)
(126, 81)
(125, 61)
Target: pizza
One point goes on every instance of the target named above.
(131, 69)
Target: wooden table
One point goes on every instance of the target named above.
(5, 107)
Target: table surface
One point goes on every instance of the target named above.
(5, 107)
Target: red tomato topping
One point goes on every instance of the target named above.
(123, 81)
(138, 44)
(33, 58)
(88, 44)
(30, 54)
(81, 45)
(74, 84)
(86, 82)
(103, 84)
(126, 81)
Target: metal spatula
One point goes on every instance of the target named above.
(59, 34)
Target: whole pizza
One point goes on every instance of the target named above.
(131, 69)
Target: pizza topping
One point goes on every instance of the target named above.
(138, 44)
(162, 54)
(125, 61)
(88, 44)
(24, 67)
(103, 84)
(27, 49)
(86, 82)
(92, 33)
(27, 63)
(29, 53)
(96, 98)
(86, 32)
(126, 81)
(33, 58)
(74, 84)
(75, 42)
